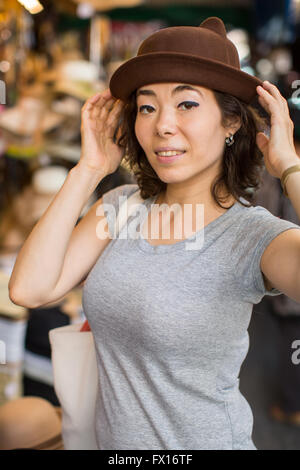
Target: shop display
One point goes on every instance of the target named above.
(13, 319)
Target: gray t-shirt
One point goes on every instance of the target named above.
(170, 328)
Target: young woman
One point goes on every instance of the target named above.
(170, 322)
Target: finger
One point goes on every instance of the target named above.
(262, 142)
(274, 91)
(269, 103)
(98, 98)
(283, 108)
(106, 114)
(115, 110)
(90, 101)
(99, 106)
(113, 118)
(106, 109)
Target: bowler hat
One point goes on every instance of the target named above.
(199, 55)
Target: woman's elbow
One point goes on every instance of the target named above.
(18, 299)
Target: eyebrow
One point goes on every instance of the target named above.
(176, 90)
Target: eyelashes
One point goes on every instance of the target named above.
(189, 104)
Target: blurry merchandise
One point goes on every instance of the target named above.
(78, 79)
(47, 41)
(24, 205)
(8, 50)
(102, 5)
(68, 46)
(28, 117)
(67, 151)
(265, 70)
(281, 59)
(126, 37)
(99, 40)
(275, 21)
(33, 66)
(67, 106)
(30, 423)
(240, 39)
(25, 126)
(24, 42)
(49, 180)
(28, 368)
(13, 320)
(33, 6)
(16, 207)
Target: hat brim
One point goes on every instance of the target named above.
(165, 67)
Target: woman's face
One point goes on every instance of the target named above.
(173, 115)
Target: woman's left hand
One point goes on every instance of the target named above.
(278, 150)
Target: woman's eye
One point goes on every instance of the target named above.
(187, 104)
(141, 108)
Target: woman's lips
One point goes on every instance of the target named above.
(169, 159)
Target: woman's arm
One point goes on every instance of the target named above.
(47, 267)
(280, 262)
(40, 261)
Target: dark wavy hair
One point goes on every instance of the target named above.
(242, 163)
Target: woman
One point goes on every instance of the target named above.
(170, 319)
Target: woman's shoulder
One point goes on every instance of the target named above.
(258, 213)
(257, 222)
(254, 211)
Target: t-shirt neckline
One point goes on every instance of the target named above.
(145, 246)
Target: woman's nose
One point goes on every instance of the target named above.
(166, 123)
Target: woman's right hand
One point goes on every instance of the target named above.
(99, 118)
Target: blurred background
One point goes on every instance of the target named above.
(54, 54)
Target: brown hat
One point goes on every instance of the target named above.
(199, 55)
(30, 423)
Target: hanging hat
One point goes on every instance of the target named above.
(29, 115)
(199, 55)
(30, 423)
(49, 179)
(78, 78)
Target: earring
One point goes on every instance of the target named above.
(229, 140)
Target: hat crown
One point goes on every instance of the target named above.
(214, 24)
(201, 55)
(207, 41)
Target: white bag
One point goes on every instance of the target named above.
(75, 370)
(75, 381)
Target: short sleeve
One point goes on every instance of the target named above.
(255, 233)
(111, 197)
